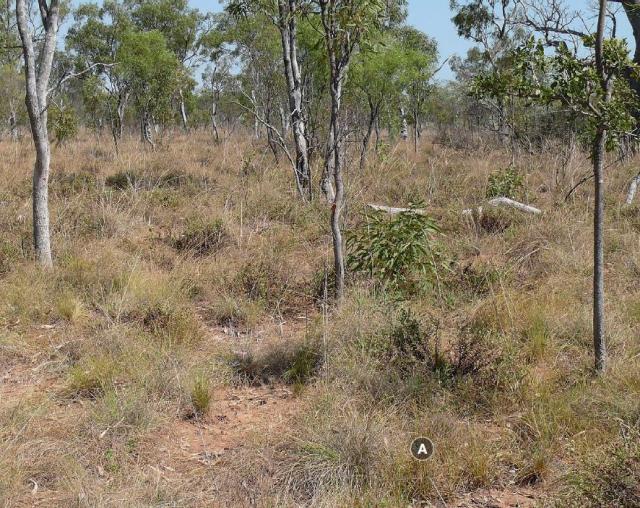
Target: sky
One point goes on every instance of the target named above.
(433, 17)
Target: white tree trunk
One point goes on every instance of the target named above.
(183, 112)
(404, 129)
(37, 70)
(256, 121)
(287, 11)
(633, 188)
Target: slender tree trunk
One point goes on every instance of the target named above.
(147, 134)
(284, 122)
(37, 72)
(338, 67)
(599, 149)
(338, 200)
(404, 129)
(598, 252)
(214, 122)
(633, 188)
(373, 116)
(121, 110)
(183, 112)
(13, 123)
(287, 10)
(326, 184)
(256, 122)
(416, 131)
(41, 233)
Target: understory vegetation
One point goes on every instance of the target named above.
(191, 275)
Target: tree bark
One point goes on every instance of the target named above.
(37, 73)
(416, 131)
(338, 200)
(373, 117)
(326, 184)
(147, 134)
(599, 149)
(256, 121)
(183, 112)
(13, 123)
(404, 129)
(214, 122)
(598, 252)
(339, 55)
(287, 11)
(633, 188)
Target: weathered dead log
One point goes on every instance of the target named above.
(504, 203)
(501, 202)
(392, 210)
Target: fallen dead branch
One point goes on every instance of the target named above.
(395, 210)
(504, 203)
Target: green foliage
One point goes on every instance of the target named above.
(507, 182)
(395, 250)
(572, 81)
(151, 69)
(415, 350)
(63, 123)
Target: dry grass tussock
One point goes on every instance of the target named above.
(179, 353)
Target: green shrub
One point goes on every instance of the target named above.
(400, 252)
(63, 123)
(506, 183)
(415, 350)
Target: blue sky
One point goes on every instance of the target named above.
(434, 18)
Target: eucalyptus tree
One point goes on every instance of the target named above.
(495, 29)
(285, 15)
(216, 79)
(38, 39)
(421, 55)
(375, 83)
(594, 83)
(152, 71)
(184, 29)
(11, 77)
(254, 43)
(346, 25)
(94, 40)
